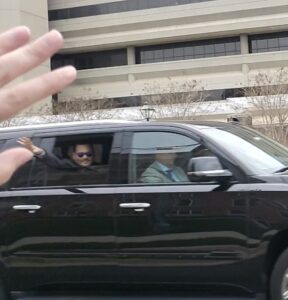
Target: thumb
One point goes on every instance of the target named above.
(11, 160)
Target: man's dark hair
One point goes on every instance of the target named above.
(75, 145)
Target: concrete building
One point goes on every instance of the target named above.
(122, 46)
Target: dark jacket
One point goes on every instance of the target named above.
(53, 161)
(71, 173)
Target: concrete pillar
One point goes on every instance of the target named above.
(131, 61)
(244, 44)
(131, 56)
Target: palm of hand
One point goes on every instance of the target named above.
(14, 44)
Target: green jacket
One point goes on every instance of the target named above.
(155, 174)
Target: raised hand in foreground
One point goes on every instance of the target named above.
(18, 56)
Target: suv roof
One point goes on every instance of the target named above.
(78, 124)
(64, 125)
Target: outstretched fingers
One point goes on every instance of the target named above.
(14, 38)
(11, 160)
(16, 58)
(31, 55)
(16, 98)
(24, 140)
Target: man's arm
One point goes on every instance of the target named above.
(16, 58)
(53, 161)
(50, 159)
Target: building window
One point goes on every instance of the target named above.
(277, 41)
(91, 60)
(188, 50)
(114, 7)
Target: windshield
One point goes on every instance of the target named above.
(253, 149)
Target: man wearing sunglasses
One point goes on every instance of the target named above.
(82, 156)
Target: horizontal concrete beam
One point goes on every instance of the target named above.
(210, 73)
(185, 67)
(169, 24)
(59, 4)
(177, 33)
(197, 12)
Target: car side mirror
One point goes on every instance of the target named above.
(207, 168)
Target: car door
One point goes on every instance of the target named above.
(177, 232)
(60, 234)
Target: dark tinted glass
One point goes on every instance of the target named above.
(127, 101)
(91, 60)
(277, 41)
(59, 174)
(114, 7)
(188, 50)
(220, 48)
(253, 149)
(163, 157)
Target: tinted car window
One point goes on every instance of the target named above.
(96, 173)
(256, 151)
(156, 154)
(42, 173)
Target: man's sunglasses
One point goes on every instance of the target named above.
(82, 154)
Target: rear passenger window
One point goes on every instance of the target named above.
(68, 161)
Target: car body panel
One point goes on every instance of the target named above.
(211, 233)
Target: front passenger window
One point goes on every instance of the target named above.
(172, 158)
(162, 157)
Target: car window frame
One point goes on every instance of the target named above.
(176, 130)
(50, 138)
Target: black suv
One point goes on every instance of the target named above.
(220, 220)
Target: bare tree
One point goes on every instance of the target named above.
(73, 109)
(43, 111)
(268, 98)
(8, 123)
(176, 99)
(80, 109)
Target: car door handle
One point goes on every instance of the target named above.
(30, 208)
(134, 205)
